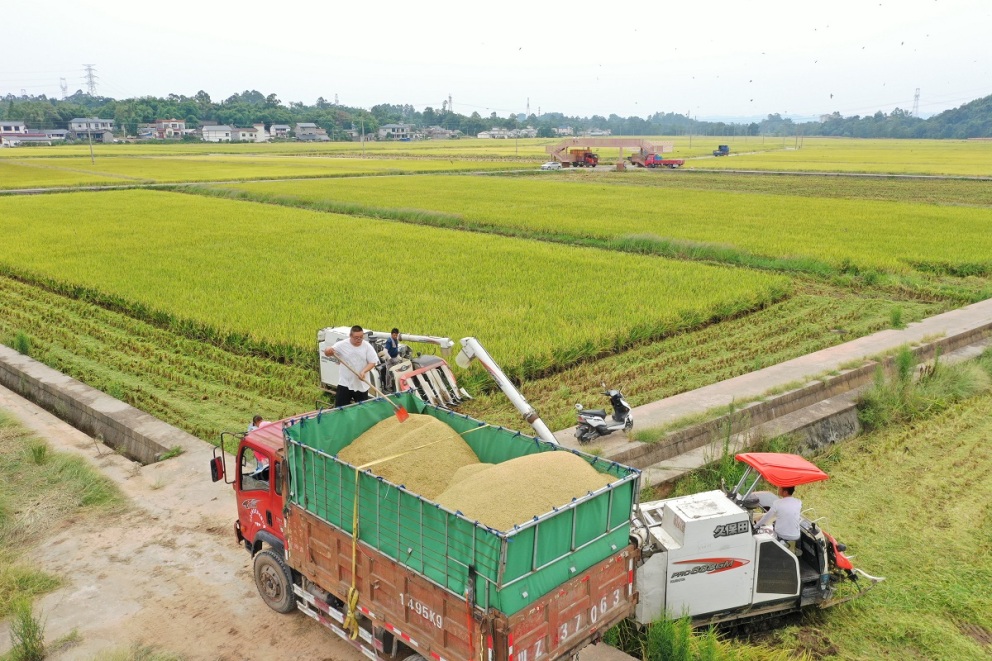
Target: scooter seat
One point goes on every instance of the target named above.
(600, 413)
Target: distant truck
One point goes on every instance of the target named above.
(722, 150)
(655, 161)
(581, 158)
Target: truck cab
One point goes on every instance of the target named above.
(258, 486)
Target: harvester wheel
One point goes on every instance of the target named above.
(274, 582)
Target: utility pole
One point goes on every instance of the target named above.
(89, 134)
(916, 103)
(363, 137)
(91, 78)
(65, 88)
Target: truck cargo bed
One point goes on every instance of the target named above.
(504, 571)
(440, 625)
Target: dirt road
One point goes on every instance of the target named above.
(168, 573)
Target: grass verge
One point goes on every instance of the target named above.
(39, 489)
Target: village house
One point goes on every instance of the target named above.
(216, 133)
(310, 132)
(279, 130)
(86, 128)
(438, 133)
(396, 132)
(14, 133)
(10, 126)
(169, 129)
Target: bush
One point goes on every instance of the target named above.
(900, 399)
(27, 634)
(21, 343)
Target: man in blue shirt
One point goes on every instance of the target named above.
(393, 343)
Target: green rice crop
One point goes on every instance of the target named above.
(837, 234)
(278, 274)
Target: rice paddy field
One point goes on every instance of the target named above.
(661, 281)
(886, 236)
(202, 310)
(918, 157)
(129, 170)
(279, 274)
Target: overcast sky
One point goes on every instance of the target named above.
(710, 58)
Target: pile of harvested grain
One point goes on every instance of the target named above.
(467, 471)
(427, 470)
(515, 491)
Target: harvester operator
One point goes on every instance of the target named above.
(358, 354)
(787, 512)
(393, 343)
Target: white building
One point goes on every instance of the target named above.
(9, 126)
(396, 131)
(101, 130)
(216, 133)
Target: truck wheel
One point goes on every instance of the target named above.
(274, 582)
(414, 657)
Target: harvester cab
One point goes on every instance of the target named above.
(428, 375)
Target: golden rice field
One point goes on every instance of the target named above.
(883, 235)
(75, 171)
(278, 274)
(924, 157)
(530, 148)
(940, 157)
(15, 175)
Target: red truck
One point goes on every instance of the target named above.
(403, 578)
(581, 158)
(655, 161)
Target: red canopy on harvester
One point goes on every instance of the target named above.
(782, 470)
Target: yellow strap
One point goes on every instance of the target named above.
(476, 429)
(351, 616)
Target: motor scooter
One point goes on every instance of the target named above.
(593, 423)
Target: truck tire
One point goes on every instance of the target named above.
(414, 657)
(274, 582)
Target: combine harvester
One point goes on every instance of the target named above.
(405, 579)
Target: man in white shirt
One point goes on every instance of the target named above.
(359, 355)
(787, 512)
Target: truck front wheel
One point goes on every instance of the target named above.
(274, 582)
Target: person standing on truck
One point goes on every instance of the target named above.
(787, 512)
(256, 422)
(358, 354)
(393, 343)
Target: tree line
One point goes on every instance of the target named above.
(971, 120)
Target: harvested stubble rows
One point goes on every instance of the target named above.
(429, 458)
(880, 235)
(276, 274)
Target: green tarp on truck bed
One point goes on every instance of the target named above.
(508, 570)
